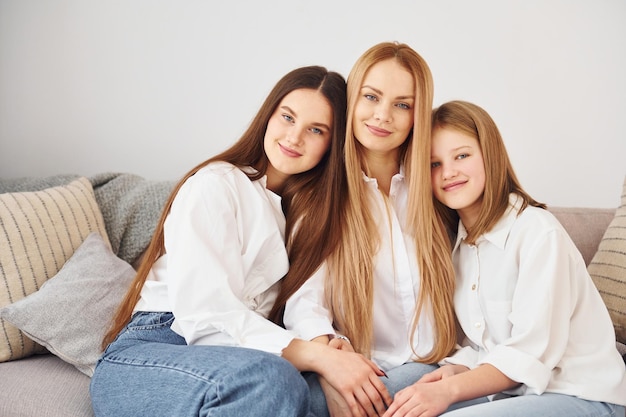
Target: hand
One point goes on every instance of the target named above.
(356, 379)
(427, 397)
(420, 399)
(337, 406)
(341, 344)
(443, 372)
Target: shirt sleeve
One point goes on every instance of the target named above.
(208, 288)
(306, 312)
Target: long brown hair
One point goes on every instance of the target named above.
(249, 151)
(500, 178)
(351, 244)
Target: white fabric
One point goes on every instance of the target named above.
(528, 307)
(225, 253)
(396, 284)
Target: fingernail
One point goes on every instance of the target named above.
(384, 373)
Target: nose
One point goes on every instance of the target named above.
(382, 112)
(295, 136)
(448, 171)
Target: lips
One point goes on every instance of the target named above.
(378, 131)
(454, 185)
(289, 152)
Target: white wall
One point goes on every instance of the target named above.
(153, 87)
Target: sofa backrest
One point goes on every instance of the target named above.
(586, 226)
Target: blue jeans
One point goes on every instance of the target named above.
(544, 405)
(149, 370)
(398, 378)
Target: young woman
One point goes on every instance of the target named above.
(538, 335)
(191, 337)
(382, 277)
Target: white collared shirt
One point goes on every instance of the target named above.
(528, 307)
(225, 254)
(396, 285)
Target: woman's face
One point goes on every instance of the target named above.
(383, 113)
(298, 135)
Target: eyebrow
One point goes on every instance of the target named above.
(377, 91)
(290, 110)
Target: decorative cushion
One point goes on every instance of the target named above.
(608, 269)
(71, 312)
(39, 232)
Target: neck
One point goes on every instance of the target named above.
(382, 167)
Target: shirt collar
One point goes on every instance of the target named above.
(397, 178)
(499, 233)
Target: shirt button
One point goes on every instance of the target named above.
(473, 287)
(477, 324)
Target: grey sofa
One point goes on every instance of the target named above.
(44, 385)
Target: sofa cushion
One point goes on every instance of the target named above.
(39, 232)
(71, 312)
(608, 269)
(43, 385)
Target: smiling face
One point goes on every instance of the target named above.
(383, 112)
(458, 172)
(297, 135)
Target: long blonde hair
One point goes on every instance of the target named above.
(249, 151)
(352, 244)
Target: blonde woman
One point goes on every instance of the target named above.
(381, 276)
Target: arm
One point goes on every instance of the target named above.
(436, 391)
(224, 251)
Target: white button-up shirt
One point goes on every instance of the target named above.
(528, 307)
(396, 284)
(225, 254)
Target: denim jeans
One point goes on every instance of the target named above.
(149, 370)
(398, 378)
(544, 405)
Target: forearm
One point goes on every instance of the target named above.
(478, 382)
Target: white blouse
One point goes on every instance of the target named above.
(225, 254)
(396, 285)
(528, 307)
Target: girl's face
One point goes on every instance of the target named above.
(297, 135)
(458, 172)
(383, 112)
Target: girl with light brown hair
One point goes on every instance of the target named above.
(539, 340)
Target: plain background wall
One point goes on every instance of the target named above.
(153, 87)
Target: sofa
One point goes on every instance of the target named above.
(50, 377)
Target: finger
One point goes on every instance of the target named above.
(381, 391)
(376, 399)
(366, 403)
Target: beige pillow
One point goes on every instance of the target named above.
(39, 232)
(608, 269)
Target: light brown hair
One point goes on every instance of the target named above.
(500, 178)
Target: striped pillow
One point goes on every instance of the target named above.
(608, 269)
(39, 232)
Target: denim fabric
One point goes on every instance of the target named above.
(545, 405)
(149, 370)
(398, 378)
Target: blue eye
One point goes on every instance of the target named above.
(434, 164)
(287, 117)
(317, 131)
(462, 156)
(403, 106)
(370, 97)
